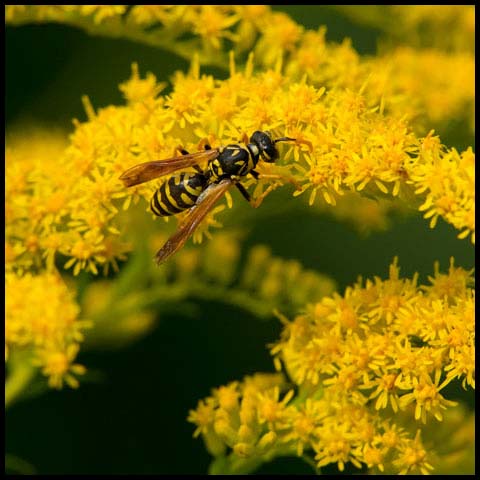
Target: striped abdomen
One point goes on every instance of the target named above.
(178, 193)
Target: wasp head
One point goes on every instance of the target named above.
(266, 145)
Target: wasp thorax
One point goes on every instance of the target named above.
(232, 161)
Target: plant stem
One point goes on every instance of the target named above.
(19, 377)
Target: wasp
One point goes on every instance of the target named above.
(200, 190)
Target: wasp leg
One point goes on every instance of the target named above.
(204, 144)
(255, 174)
(244, 193)
(244, 138)
(186, 152)
(254, 203)
(180, 149)
(196, 167)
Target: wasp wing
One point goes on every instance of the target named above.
(150, 170)
(197, 213)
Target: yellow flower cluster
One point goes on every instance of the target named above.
(434, 84)
(426, 25)
(341, 146)
(18, 14)
(449, 196)
(42, 319)
(364, 367)
(427, 85)
(46, 191)
(420, 25)
(45, 209)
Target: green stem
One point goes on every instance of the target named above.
(233, 296)
(158, 39)
(14, 464)
(163, 295)
(234, 465)
(182, 49)
(310, 461)
(18, 379)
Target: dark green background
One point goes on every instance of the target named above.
(133, 421)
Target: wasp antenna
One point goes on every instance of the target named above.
(285, 139)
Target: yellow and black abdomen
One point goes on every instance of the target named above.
(178, 193)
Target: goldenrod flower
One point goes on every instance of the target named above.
(412, 458)
(452, 197)
(420, 25)
(42, 318)
(271, 409)
(280, 35)
(45, 208)
(59, 368)
(63, 13)
(358, 149)
(433, 83)
(426, 24)
(426, 396)
(341, 354)
(304, 422)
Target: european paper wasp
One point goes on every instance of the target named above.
(200, 191)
